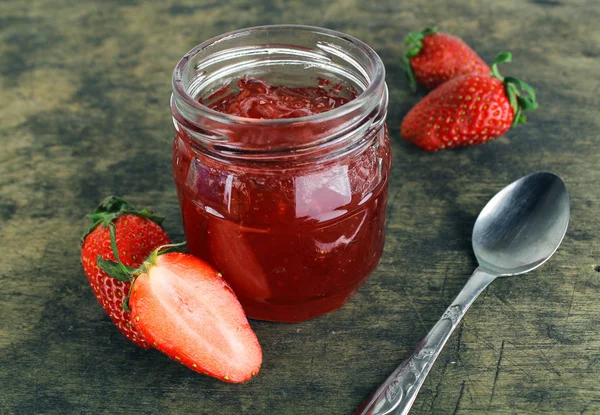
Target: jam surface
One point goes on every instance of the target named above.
(259, 100)
(293, 241)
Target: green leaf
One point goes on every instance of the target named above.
(414, 43)
(512, 93)
(112, 205)
(522, 85)
(514, 89)
(412, 81)
(113, 240)
(429, 31)
(111, 208)
(113, 243)
(411, 53)
(517, 118)
(527, 104)
(147, 213)
(125, 304)
(412, 38)
(503, 57)
(113, 269)
(89, 230)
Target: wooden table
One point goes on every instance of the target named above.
(84, 113)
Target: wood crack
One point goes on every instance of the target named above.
(460, 395)
(496, 374)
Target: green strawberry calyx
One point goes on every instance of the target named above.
(105, 215)
(514, 89)
(119, 271)
(111, 208)
(414, 44)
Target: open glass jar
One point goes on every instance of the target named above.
(290, 211)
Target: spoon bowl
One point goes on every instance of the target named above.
(522, 225)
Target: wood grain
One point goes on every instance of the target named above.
(84, 113)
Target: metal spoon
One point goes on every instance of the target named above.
(517, 231)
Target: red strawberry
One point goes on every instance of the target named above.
(137, 234)
(468, 110)
(186, 310)
(433, 58)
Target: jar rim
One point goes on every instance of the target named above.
(374, 83)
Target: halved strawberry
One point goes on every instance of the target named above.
(185, 309)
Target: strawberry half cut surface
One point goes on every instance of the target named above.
(185, 309)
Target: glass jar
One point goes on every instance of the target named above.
(290, 211)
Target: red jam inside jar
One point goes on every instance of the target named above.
(291, 213)
(259, 100)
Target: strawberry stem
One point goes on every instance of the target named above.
(414, 43)
(501, 58)
(161, 250)
(514, 90)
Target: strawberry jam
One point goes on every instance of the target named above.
(283, 189)
(257, 99)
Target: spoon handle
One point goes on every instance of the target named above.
(397, 394)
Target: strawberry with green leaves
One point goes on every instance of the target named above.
(433, 58)
(183, 307)
(170, 301)
(469, 110)
(136, 233)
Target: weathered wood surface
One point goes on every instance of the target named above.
(84, 113)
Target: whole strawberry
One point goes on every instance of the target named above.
(135, 235)
(433, 58)
(468, 110)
